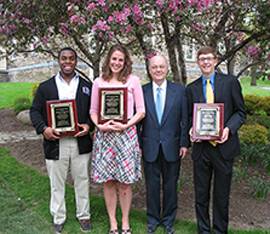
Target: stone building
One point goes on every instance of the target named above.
(35, 67)
(3, 66)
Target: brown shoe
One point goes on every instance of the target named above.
(85, 225)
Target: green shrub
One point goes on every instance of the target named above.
(253, 104)
(260, 187)
(239, 172)
(262, 120)
(21, 104)
(249, 153)
(34, 89)
(255, 154)
(265, 104)
(253, 134)
(259, 119)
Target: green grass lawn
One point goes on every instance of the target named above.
(260, 89)
(24, 205)
(9, 92)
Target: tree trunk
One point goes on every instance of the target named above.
(253, 81)
(96, 68)
(181, 60)
(231, 66)
(146, 50)
(170, 44)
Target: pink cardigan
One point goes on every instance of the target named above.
(135, 94)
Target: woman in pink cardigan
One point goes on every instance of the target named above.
(116, 156)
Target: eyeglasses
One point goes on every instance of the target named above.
(206, 59)
(155, 67)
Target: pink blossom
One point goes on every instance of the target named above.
(240, 36)
(150, 26)
(253, 51)
(101, 25)
(45, 40)
(128, 28)
(204, 4)
(70, 10)
(173, 5)
(198, 27)
(160, 3)
(64, 29)
(82, 20)
(126, 11)
(137, 14)
(91, 6)
(110, 19)
(8, 29)
(26, 21)
(105, 8)
(101, 2)
(192, 2)
(136, 10)
(177, 18)
(119, 17)
(100, 34)
(151, 54)
(111, 35)
(76, 19)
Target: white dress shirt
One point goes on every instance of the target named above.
(66, 90)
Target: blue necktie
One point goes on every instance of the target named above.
(159, 104)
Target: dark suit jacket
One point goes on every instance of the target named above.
(48, 91)
(172, 133)
(227, 90)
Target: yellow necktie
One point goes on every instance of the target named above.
(210, 99)
(209, 92)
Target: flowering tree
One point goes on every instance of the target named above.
(144, 26)
(235, 29)
(90, 25)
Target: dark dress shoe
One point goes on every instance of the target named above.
(85, 225)
(170, 230)
(151, 229)
(58, 228)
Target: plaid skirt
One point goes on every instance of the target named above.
(116, 156)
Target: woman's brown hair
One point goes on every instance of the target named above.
(127, 69)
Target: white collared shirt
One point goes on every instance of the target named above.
(163, 89)
(66, 90)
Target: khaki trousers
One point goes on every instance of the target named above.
(58, 169)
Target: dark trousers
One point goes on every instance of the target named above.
(211, 163)
(169, 172)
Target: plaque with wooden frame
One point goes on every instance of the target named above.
(112, 104)
(62, 116)
(208, 121)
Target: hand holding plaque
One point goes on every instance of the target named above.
(208, 121)
(62, 116)
(112, 105)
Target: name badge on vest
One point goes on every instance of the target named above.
(86, 90)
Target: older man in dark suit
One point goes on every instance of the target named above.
(215, 158)
(164, 137)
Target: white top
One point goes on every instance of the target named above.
(67, 90)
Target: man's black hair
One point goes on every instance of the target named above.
(69, 49)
